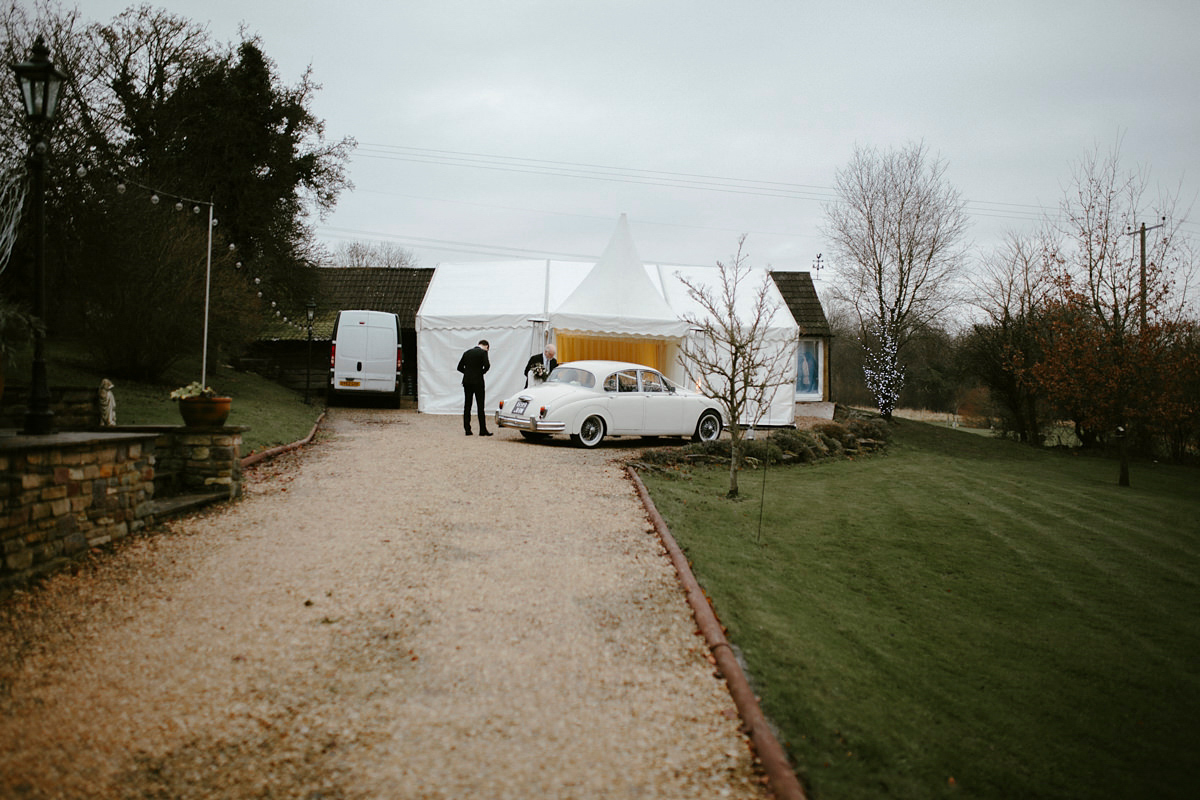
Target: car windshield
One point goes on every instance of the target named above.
(572, 377)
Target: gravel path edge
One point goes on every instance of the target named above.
(781, 777)
(271, 452)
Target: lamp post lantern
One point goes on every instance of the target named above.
(40, 82)
(310, 310)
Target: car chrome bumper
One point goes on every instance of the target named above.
(531, 424)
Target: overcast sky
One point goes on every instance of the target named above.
(496, 130)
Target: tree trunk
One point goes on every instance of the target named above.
(1123, 447)
(735, 460)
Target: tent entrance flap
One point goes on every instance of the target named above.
(656, 353)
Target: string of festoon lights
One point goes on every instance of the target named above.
(180, 203)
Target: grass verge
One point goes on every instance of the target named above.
(274, 414)
(962, 617)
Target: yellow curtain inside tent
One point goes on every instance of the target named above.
(651, 352)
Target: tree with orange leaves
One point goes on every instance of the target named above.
(1115, 319)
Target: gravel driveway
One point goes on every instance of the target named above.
(397, 611)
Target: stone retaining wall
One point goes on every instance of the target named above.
(195, 460)
(63, 493)
(67, 492)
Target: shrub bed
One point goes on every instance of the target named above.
(829, 440)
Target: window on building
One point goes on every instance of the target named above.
(808, 370)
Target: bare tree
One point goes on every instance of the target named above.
(1011, 289)
(729, 354)
(1104, 204)
(897, 230)
(73, 48)
(1011, 280)
(373, 254)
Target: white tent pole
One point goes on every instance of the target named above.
(546, 308)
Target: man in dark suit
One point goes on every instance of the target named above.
(546, 359)
(473, 364)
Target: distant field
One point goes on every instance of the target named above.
(1058, 436)
(963, 617)
(940, 418)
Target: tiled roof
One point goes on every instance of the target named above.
(800, 295)
(398, 290)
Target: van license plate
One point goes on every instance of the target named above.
(519, 407)
(348, 383)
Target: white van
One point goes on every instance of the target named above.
(366, 355)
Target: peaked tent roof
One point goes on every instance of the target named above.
(618, 297)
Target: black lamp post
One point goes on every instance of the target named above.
(310, 309)
(40, 83)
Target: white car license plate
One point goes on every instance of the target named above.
(348, 383)
(520, 406)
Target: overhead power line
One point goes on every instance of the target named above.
(730, 186)
(451, 245)
(578, 164)
(663, 178)
(605, 218)
(991, 209)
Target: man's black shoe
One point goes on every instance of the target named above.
(468, 433)
(485, 433)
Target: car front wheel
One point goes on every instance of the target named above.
(591, 432)
(708, 428)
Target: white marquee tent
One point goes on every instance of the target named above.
(618, 308)
(618, 297)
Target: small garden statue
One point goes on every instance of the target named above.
(108, 405)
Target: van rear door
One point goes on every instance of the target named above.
(365, 355)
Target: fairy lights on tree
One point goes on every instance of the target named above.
(882, 369)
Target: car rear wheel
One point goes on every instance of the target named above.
(591, 432)
(708, 428)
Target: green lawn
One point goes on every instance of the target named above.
(962, 617)
(274, 414)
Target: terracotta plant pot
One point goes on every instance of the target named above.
(205, 412)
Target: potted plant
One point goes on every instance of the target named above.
(201, 407)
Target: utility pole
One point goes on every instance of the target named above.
(1142, 287)
(1122, 431)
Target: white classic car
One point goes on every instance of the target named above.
(591, 399)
